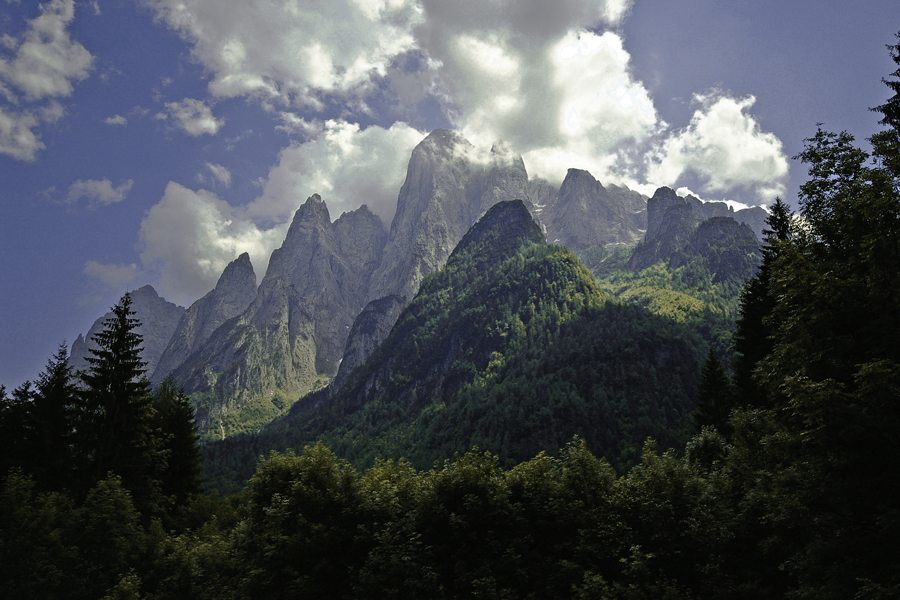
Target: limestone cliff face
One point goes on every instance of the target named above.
(158, 319)
(296, 327)
(681, 228)
(233, 293)
(448, 187)
(369, 329)
(730, 249)
(587, 214)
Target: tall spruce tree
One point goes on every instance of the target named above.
(886, 143)
(753, 337)
(175, 419)
(12, 422)
(120, 425)
(52, 413)
(715, 397)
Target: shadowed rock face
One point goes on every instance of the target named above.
(158, 321)
(369, 329)
(730, 249)
(233, 293)
(682, 228)
(296, 327)
(588, 214)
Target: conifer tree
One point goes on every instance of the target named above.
(121, 436)
(715, 397)
(175, 419)
(754, 327)
(886, 143)
(52, 423)
(832, 372)
(12, 421)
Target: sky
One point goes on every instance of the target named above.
(153, 141)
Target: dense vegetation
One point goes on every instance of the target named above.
(789, 492)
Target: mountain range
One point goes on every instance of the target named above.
(334, 290)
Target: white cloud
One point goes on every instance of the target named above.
(219, 174)
(111, 275)
(47, 62)
(347, 165)
(615, 11)
(285, 51)
(117, 120)
(536, 75)
(43, 63)
(17, 136)
(550, 79)
(98, 192)
(726, 148)
(189, 237)
(192, 116)
(292, 123)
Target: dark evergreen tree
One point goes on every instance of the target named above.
(753, 336)
(886, 143)
(715, 396)
(13, 417)
(50, 440)
(120, 425)
(175, 420)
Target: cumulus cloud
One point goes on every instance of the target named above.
(18, 138)
(42, 64)
(538, 76)
(189, 237)
(284, 51)
(98, 192)
(219, 173)
(725, 147)
(192, 116)
(47, 62)
(117, 120)
(347, 165)
(111, 275)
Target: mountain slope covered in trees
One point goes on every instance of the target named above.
(511, 347)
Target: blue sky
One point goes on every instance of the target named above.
(153, 141)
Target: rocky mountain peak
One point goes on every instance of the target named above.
(579, 179)
(233, 293)
(312, 213)
(502, 230)
(238, 274)
(588, 215)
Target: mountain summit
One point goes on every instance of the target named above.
(233, 293)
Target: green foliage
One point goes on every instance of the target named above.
(715, 397)
(118, 419)
(175, 421)
(688, 294)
